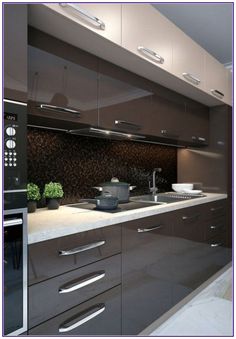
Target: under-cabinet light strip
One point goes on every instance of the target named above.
(50, 128)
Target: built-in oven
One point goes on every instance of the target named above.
(15, 271)
(15, 218)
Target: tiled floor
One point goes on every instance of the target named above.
(209, 313)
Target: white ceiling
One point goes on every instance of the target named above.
(209, 24)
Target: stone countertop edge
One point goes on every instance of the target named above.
(165, 317)
(47, 224)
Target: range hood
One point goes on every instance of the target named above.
(105, 133)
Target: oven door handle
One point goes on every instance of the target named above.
(13, 222)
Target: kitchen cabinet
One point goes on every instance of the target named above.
(146, 271)
(148, 34)
(53, 257)
(15, 51)
(62, 83)
(131, 104)
(188, 59)
(102, 19)
(98, 316)
(229, 88)
(199, 246)
(72, 288)
(81, 275)
(216, 78)
(124, 99)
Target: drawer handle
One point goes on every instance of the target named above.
(85, 13)
(13, 222)
(142, 230)
(184, 217)
(127, 123)
(217, 93)
(84, 281)
(145, 50)
(82, 248)
(191, 78)
(87, 315)
(213, 227)
(58, 109)
(165, 133)
(214, 209)
(216, 244)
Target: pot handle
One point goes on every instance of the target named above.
(99, 188)
(131, 188)
(92, 201)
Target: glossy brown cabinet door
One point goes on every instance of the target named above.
(98, 316)
(146, 271)
(71, 289)
(124, 100)
(15, 51)
(63, 82)
(53, 257)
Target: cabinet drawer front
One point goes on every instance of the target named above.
(215, 227)
(70, 289)
(53, 257)
(101, 316)
(215, 209)
(189, 224)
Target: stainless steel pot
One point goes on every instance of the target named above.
(104, 202)
(116, 188)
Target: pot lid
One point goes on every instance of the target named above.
(109, 183)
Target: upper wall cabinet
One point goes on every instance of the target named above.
(216, 78)
(188, 59)
(147, 33)
(62, 81)
(15, 52)
(229, 88)
(103, 19)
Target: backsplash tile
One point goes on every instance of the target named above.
(79, 163)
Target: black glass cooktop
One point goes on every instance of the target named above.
(121, 207)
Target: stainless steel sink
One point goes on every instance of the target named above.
(165, 198)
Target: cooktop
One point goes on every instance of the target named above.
(132, 205)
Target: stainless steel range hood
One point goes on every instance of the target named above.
(105, 133)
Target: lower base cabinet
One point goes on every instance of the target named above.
(98, 316)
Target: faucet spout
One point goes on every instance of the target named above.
(153, 188)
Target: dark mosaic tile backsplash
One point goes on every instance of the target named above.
(79, 163)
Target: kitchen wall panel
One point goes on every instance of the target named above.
(79, 163)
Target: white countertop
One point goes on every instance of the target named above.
(47, 224)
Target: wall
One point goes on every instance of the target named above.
(79, 163)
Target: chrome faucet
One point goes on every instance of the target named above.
(153, 189)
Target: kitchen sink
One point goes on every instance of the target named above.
(165, 198)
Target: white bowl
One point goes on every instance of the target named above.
(182, 187)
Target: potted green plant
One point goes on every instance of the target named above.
(33, 195)
(53, 191)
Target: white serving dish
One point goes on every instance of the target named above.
(180, 188)
(193, 191)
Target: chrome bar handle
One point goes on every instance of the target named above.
(98, 309)
(165, 133)
(217, 93)
(143, 230)
(58, 109)
(145, 50)
(82, 282)
(82, 248)
(201, 139)
(127, 123)
(85, 13)
(213, 227)
(213, 209)
(184, 217)
(12, 222)
(216, 244)
(191, 78)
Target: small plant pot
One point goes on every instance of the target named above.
(53, 204)
(32, 206)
